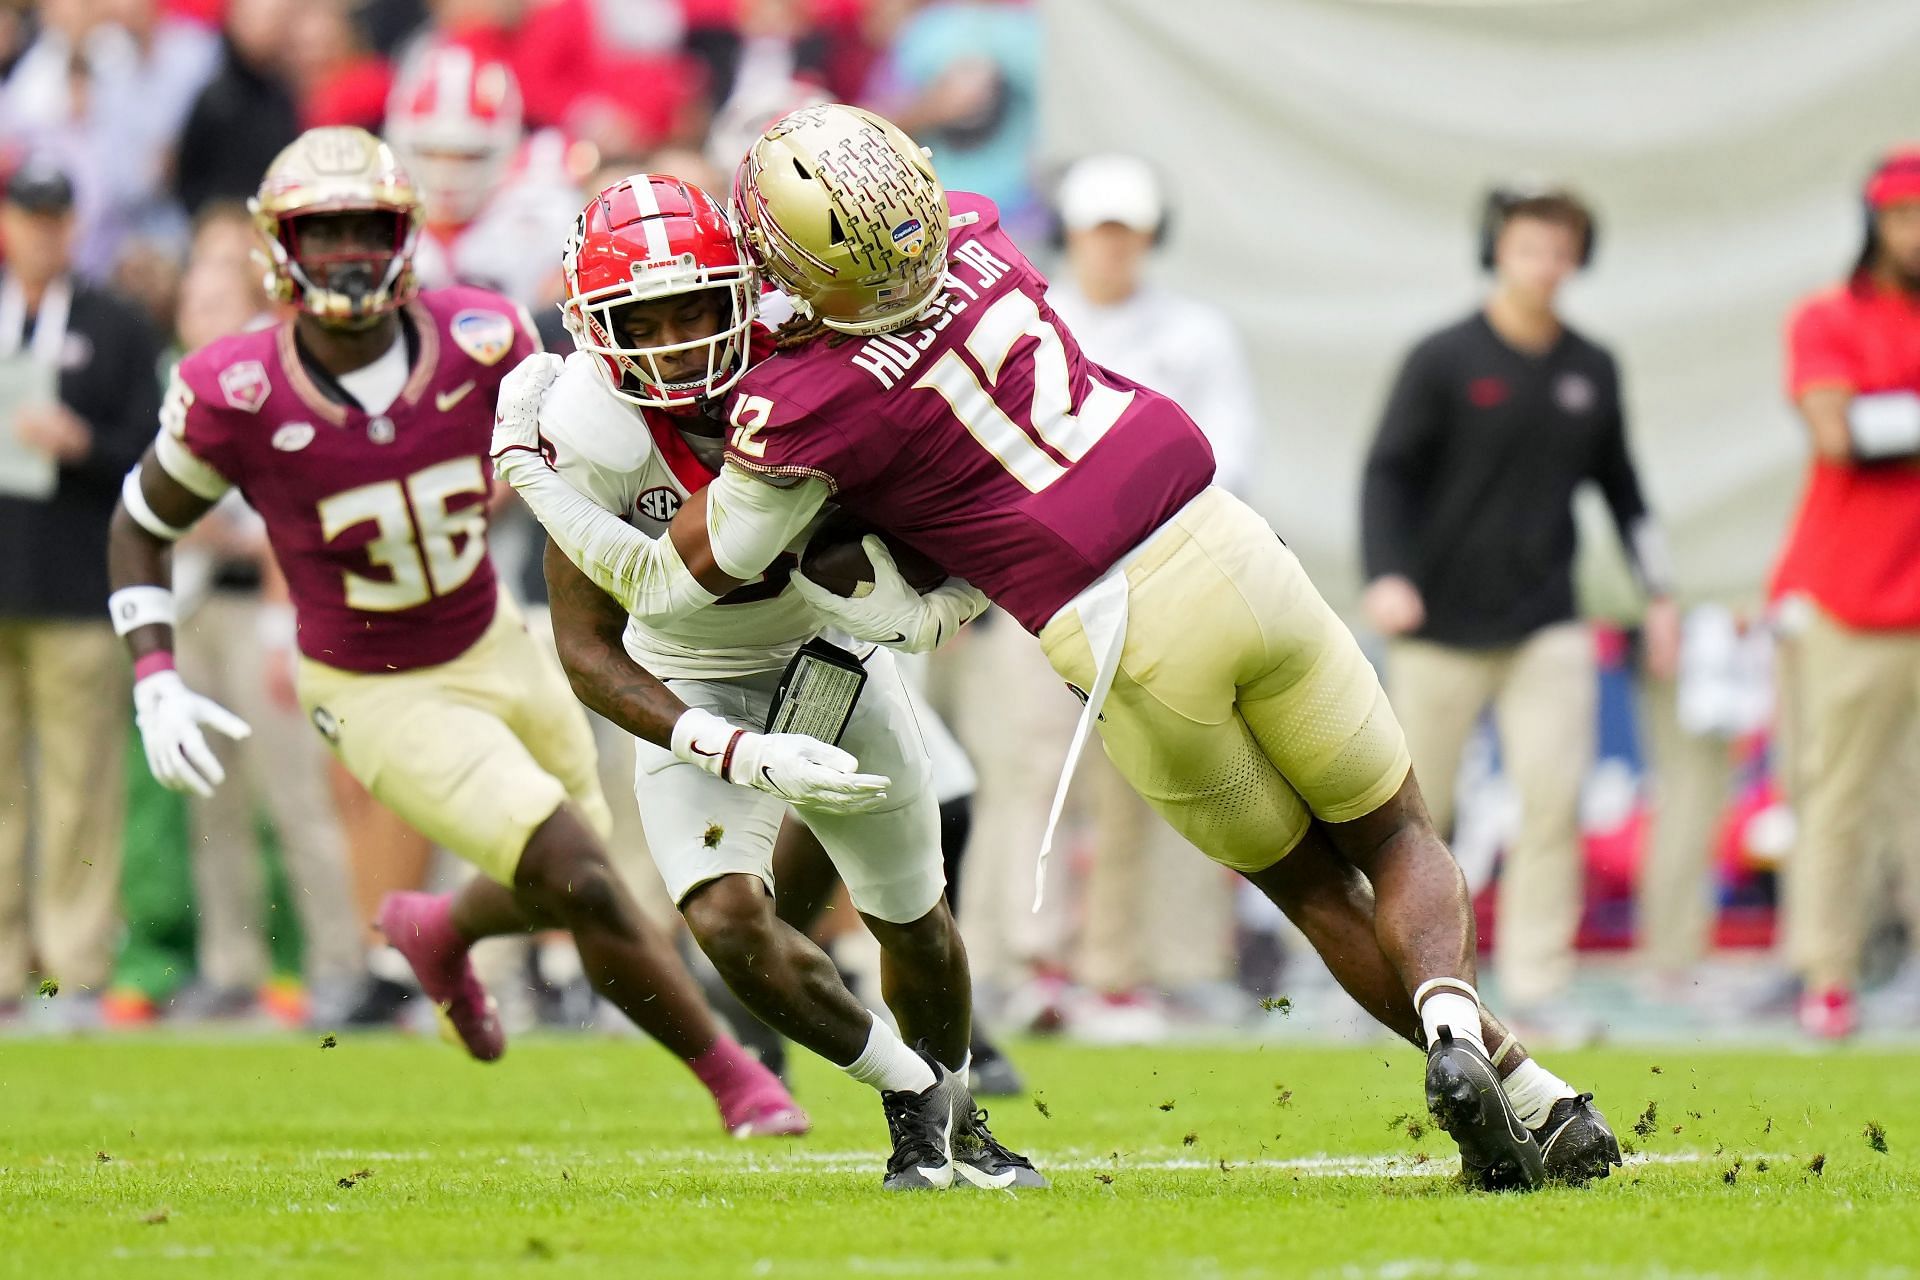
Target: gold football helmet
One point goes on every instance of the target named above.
(845, 213)
(337, 170)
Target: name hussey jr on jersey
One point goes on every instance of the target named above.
(890, 357)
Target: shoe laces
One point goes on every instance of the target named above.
(977, 1132)
(912, 1129)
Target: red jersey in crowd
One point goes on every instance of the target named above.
(1855, 542)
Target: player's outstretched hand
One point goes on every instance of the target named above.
(516, 414)
(170, 717)
(798, 769)
(808, 772)
(892, 613)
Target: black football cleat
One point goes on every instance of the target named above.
(381, 1002)
(1576, 1142)
(979, 1160)
(923, 1128)
(1497, 1153)
(992, 1075)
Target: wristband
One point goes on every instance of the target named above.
(148, 664)
(1884, 426)
(702, 738)
(140, 606)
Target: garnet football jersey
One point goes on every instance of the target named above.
(635, 463)
(983, 437)
(378, 521)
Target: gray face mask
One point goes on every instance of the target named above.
(357, 280)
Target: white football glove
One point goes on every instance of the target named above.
(170, 716)
(891, 612)
(798, 769)
(516, 414)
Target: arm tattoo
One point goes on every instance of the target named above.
(587, 624)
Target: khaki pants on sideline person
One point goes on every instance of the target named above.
(281, 768)
(1544, 695)
(1155, 914)
(64, 706)
(628, 843)
(1692, 779)
(1849, 696)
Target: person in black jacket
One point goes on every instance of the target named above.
(1468, 529)
(245, 115)
(63, 677)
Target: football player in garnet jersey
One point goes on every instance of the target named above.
(930, 391)
(661, 301)
(357, 430)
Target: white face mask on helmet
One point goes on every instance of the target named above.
(456, 124)
(655, 239)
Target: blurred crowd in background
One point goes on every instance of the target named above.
(134, 131)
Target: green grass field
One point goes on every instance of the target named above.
(395, 1157)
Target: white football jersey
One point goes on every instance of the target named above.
(512, 247)
(607, 450)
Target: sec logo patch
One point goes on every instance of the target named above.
(487, 336)
(659, 503)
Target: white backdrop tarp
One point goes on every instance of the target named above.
(1327, 159)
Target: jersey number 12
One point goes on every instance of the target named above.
(1070, 433)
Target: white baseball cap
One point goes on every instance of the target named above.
(1111, 188)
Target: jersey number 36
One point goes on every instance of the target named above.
(435, 561)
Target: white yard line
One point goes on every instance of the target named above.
(801, 1160)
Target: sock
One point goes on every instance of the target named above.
(1451, 1008)
(966, 1070)
(737, 1081)
(1532, 1089)
(887, 1064)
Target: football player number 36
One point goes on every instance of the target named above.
(1070, 433)
(444, 554)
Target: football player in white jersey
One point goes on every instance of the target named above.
(493, 198)
(661, 302)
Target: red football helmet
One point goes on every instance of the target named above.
(456, 123)
(645, 238)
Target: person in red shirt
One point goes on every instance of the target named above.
(1848, 581)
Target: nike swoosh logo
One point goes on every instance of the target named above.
(1515, 1130)
(447, 399)
(946, 1145)
(898, 637)
(980, 1178)
(1555, 1135)
(694, 747)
